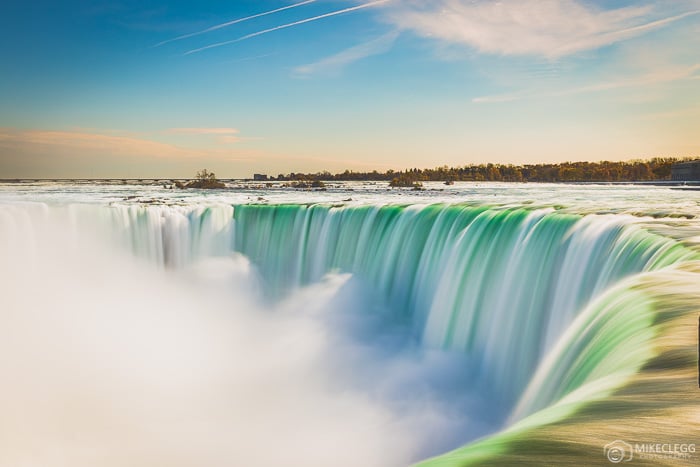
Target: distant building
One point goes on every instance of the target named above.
(686, 171)
(260, 177)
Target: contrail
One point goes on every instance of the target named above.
(235, 21)
(288, 25)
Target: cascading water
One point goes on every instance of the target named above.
(501, 285)
(517, 291)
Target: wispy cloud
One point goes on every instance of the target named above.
(203, 131)
(549, 28)
(93, 142)
(253, 57)
(235, 21)
(289, 25)
(229, 139)
(222, 135)
(661, 76)
(88, 154)
(337, 62)
(686, 112)
(617, 36)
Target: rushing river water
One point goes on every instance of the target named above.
(353, 326)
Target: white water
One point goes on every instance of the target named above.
(617, 199)
(107, 359)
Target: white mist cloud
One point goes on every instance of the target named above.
(549, 28)
(108, 361)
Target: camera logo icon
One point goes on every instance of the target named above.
(618, 451)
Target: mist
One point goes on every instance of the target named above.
(108, 360)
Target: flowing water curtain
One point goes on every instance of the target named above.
(499, 284)
(521, 291)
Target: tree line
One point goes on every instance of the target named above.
(655, 169)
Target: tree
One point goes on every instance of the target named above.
(205, 176)
(405, 181)
(206, 180)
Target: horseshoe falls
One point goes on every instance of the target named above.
(473, 327)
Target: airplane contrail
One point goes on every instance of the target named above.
(235, 21)
(288, 25)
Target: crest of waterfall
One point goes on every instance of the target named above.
(501, 285)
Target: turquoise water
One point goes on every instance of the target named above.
(542, 304)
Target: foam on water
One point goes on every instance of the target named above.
(192, 333)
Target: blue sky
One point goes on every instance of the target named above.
(112, 89)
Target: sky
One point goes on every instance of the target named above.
(147, 88)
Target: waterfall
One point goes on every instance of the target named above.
(550, 309)
(500, 284)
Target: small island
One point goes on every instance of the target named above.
(404, 181)
(203, 180)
